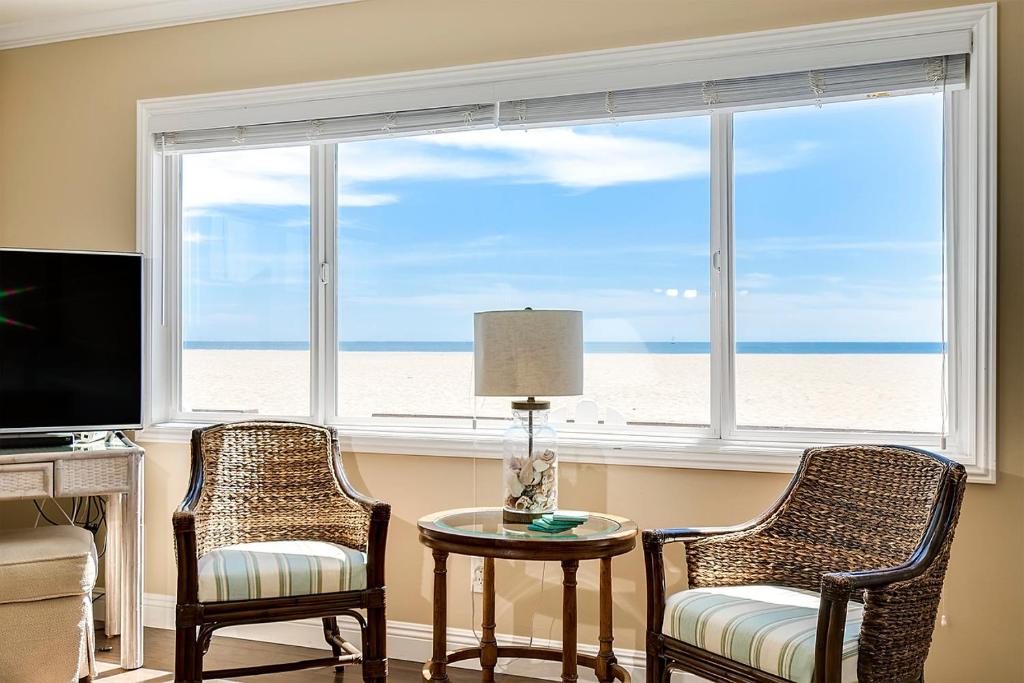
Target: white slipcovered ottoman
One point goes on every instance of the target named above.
(46, 580)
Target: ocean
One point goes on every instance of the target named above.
(663, 347)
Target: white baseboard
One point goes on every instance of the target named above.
(406, 641)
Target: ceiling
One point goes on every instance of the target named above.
(33, 22)
(17, 11)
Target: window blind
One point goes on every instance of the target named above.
(903, 77)
(890, 78)
(438, 120)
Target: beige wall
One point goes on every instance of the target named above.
(67, 179)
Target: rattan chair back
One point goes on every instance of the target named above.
(272, 481)
(847, 508)
(864, 507)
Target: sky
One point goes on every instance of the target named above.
(837, 214)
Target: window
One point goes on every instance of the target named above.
(612, 219)
(839, 267)
(245, 273)
(763, 262)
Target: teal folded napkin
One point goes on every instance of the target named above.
(549, 526)
(574, 516)
(557, 522)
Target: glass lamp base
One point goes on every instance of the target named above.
(519, 516)
(529, 464)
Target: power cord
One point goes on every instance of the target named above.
(89, 512)
(540, 600)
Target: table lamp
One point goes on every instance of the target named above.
(529, 353)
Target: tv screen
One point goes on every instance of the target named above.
(70, 341)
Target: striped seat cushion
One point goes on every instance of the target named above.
(768, 627)
(279, 568)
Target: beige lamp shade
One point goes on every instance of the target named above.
(528, 353)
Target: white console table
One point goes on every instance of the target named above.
(113, 469)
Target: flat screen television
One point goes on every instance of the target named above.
(70, 341)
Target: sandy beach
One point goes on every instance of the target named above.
(897, 392)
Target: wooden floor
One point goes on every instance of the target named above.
(232, 652)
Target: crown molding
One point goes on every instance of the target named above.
(141, 18)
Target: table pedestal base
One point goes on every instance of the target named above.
(604, 665)
(543, 653)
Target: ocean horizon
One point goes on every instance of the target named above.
(662, 347)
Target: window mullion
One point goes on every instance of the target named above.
(329, 321)
(960, 255)
(321, 180)
(172, 294)
(949, 255)
(723, 412)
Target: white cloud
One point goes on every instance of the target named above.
(412, 158)
(812, 243)
(672, 292)
(750, 161)
(609, 301)
(755, 280)
(492, 246)
(277, 176)
(274, 177)
(848, 315)
(690, 293)
(365, 199)
(573, 158)
(570, 158)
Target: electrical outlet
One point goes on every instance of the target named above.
(476, 574)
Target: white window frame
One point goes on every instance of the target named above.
(970, 211)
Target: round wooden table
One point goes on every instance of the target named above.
(482, 533)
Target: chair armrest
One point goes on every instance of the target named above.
(184, 523)
(369, 504)
(845, 583)
(723, 537)
(659, 537)
(652, 537)
(376, 541)
(654, 562)
(897, 611)
(375, 509)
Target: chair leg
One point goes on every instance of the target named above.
(331, 632)
(655, 667)
(375, 660)
(185, 655)
(198, 670)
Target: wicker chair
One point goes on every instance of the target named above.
(270, 530)
(840, 580)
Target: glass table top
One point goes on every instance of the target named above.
(487, 523)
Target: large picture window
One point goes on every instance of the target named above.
(763, 263)
(837, 273)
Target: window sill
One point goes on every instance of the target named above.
(640, 450)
